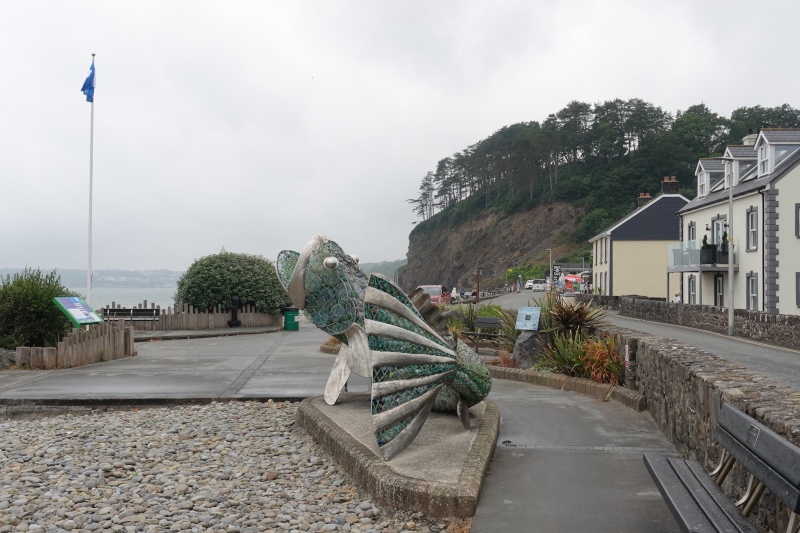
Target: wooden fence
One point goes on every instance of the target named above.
(187, 317)
(103, 342)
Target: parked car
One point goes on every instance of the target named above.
(529, 284)
(539, 285)
(437, 294)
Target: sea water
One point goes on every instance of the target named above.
(129, 297)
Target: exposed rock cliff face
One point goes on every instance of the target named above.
(450, 256)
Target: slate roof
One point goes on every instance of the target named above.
(781, 135)
(741, 152)
(712, 164)
(668, 204)
(743, 188)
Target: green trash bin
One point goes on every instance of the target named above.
(291, 318)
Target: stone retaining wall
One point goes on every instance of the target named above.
(626, 397)
(773, 328)
(684, 388)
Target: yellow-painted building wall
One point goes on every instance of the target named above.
(639, 268)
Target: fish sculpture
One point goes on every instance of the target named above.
(413, 368)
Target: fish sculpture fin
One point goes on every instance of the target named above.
(339, 376)
(358, 352)
(463, 412)
(410, 365)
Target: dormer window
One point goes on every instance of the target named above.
(714, 178)
(729, 173)
(744, 168)
(702, 183)
(783, 151)
(763, 160)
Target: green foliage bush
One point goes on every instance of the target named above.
(213, 279)
(28, 315)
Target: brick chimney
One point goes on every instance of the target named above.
(750, 138)
(669, 185)
(644, 198)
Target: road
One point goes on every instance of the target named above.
(778, 363)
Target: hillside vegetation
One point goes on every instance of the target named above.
(500, 203)
(596, 156)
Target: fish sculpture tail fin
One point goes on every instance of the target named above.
(411, 363)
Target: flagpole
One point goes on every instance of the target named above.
(91, 171)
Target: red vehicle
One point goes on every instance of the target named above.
(437, 294)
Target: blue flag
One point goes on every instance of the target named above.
(88, 85)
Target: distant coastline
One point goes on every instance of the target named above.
(113, 279)
(128, 296)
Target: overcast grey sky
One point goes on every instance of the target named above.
(256, 125)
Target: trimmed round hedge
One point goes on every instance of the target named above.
(213, 279)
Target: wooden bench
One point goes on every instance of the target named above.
(131, 313)
(694, 496)
(483, 322)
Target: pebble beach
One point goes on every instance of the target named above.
(230, 467)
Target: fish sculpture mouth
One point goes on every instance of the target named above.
(385, 338)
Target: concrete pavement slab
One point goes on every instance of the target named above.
(12, 378)
(563, 490)
(567, 462)
(291, 384)
(187, 363)
(110, 384)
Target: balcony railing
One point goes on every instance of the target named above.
(692, 253)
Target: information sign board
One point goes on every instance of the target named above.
(528, 318)
(77, 310)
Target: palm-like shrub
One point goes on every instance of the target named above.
(28, 315)
(571, 349)
(214, 279)
(602, 362)
(508, 329)
(575, 317)
(566, 353)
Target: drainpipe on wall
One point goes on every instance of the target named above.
(610, 266)
(764, 250)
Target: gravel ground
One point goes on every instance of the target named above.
(232, 467)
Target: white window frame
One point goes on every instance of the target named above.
(728, 173)
(752, 229)
(702, 186)
(719, 291)
(692, 289)
(752, 292)
(763, 160)
(692, 231)
(717, 229)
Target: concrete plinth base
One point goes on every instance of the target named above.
(439, 474)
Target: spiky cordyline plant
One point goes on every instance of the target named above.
(562, 317)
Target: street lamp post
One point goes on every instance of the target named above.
(551, 266)
(729, 160)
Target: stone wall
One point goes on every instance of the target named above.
(684, 388)
(776, 329)
(609, 302)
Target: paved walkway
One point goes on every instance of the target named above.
(564, 462)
